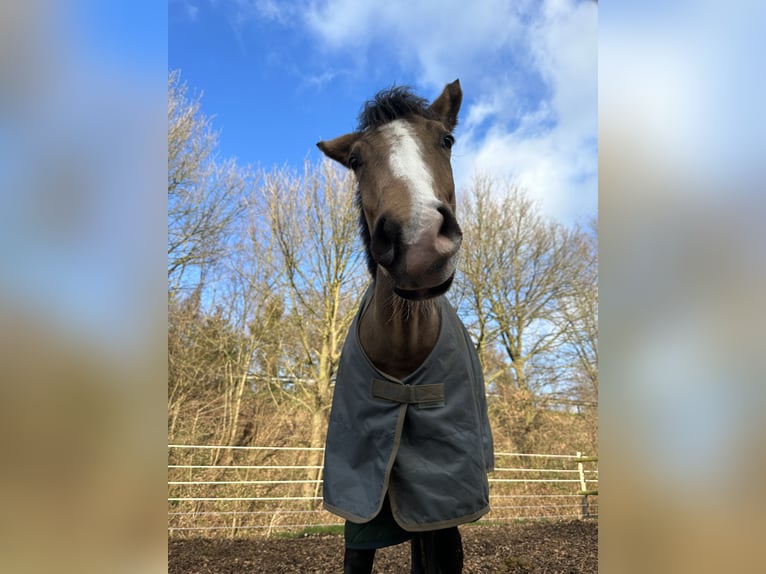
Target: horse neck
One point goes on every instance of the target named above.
(397, 335)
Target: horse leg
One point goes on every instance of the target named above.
(437, 552)
(416, 553)
(357, 561)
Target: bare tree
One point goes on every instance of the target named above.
(517, 269)
(215, 351)
(315, 227)
(204, 350)
(580, 311)
(209, 346)
(264, 281)
(204, 193)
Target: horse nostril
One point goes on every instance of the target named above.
(449, 227)
(385, 237)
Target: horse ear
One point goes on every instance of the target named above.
(339, 148)
(447, 105)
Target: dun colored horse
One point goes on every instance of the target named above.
(409, 444)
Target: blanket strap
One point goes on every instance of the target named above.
(424, 396)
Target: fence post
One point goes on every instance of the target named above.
(584, 511)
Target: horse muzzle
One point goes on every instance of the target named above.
(423, 267)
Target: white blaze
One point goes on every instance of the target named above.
(406, 163)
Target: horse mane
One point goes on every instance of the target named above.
(364, 234)
(392, 104)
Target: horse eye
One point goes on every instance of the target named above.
(353, 162)
(448, 141)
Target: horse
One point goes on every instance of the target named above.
(408, 444)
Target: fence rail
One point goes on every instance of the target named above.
(226, 490)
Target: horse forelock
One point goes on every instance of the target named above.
(392, 104)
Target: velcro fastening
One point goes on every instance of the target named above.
(424, 396)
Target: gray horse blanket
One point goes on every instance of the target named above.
(425, 440)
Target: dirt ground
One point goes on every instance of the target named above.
(565, 547)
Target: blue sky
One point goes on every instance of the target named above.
(279, 76)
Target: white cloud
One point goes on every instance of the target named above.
(271, 10)
(529, 71)
(242, 12)
(191, 11)
(567, 56)
(552, 150)
(435, 38)
(561, 176)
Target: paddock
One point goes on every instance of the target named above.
(258, 509)
(526, 547)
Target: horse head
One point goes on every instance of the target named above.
(400, 154)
